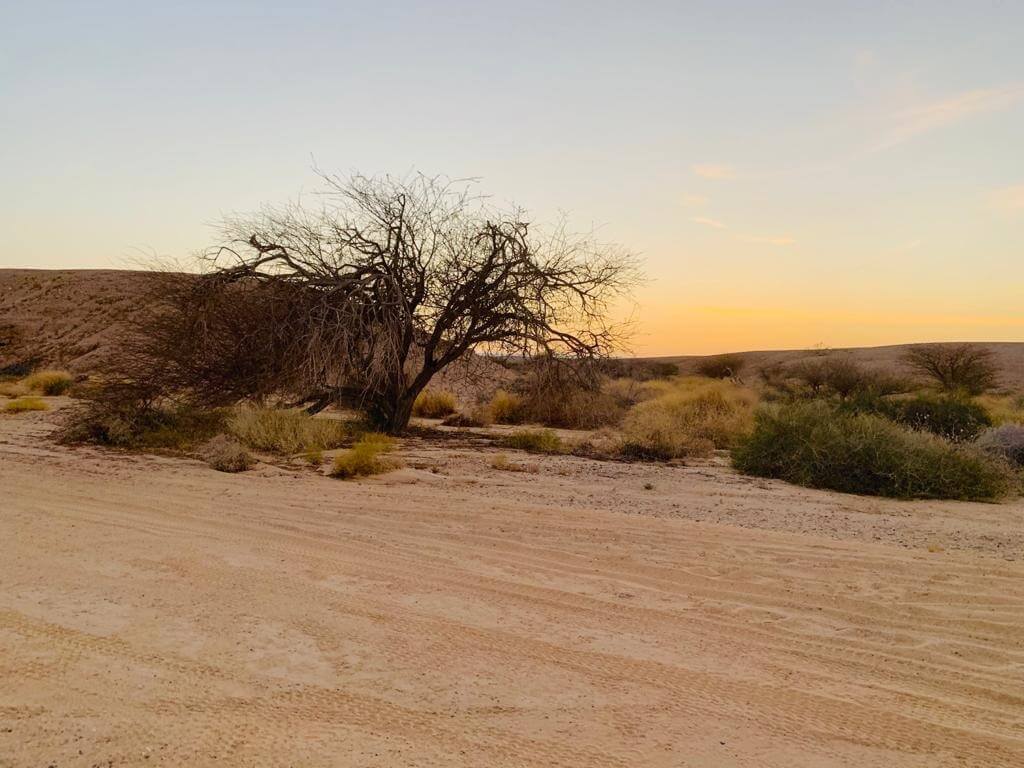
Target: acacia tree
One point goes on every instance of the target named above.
(955, 367)
(363, 299)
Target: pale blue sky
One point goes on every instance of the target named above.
(793, 173)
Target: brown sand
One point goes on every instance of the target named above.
(155, 612)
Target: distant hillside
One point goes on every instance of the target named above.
(1009, 357)
(66, 318)
(72, 319)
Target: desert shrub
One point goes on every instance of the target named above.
(285, 430)
(721, 366)
(22, 404)
(50, 382)
(434, 404)
(364, 458)
(134, 424)
(955, 418)
(690, 418)
(314, 458)
(535, 441)
(479, 416)
(836, 376)
(507, 408)
(227, 455)
(1006, 441)
(567, 397)
(954, 367)
(1003, 408)
(815, 445)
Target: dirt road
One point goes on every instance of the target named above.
(155, 612)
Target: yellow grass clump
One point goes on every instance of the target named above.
(12, 389)
(49, 382)
(435, 404)
(364, 458)
(286, 431)
(26, 404)
(535, 441)
(689, 417)
(1003, 409)
(507, 408)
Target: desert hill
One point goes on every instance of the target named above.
(72, 319)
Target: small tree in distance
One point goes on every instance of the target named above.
(365, 298)
(966, 368)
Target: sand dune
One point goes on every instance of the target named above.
(154, 612)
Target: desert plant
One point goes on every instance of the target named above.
(571, 397)
(955, 367)
(721, 366)
(1006, 441)
(813, 444)
(479, 416)
(364, 298)
(135, 424)
(363, 458)
(23, 404)
(49, 382)
(434, 404)
(1003, 408)
(285, 430)
(957, 419)
(507, 408)
(687, 421)
(836, 376)
(503, 463)
(227, 455)
(535, 441)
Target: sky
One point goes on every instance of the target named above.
(792, 174)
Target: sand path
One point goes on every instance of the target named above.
(154, 612)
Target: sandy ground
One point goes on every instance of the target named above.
(155, 612)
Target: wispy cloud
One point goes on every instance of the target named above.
(708, 222)
(767, 240)
(925, 116)
(1009, 198)
(691, 201)
(714, 171)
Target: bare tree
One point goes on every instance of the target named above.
(363, 299)
(955, 367)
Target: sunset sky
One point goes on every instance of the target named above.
(792, 174)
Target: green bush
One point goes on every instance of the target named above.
(813, 444)
(954, 418)
(535, 441)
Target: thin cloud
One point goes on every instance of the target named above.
(921, 118)
(713, 171)
(708, 222)
(693, 200)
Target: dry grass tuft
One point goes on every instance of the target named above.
(507, 408)
(12, 389)
(227, 455)
(689, 418)
(364, 458)
(49, 382)
(23, 404)
(535, 441)
(435, 404)
(503, 463)
(285, 431)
